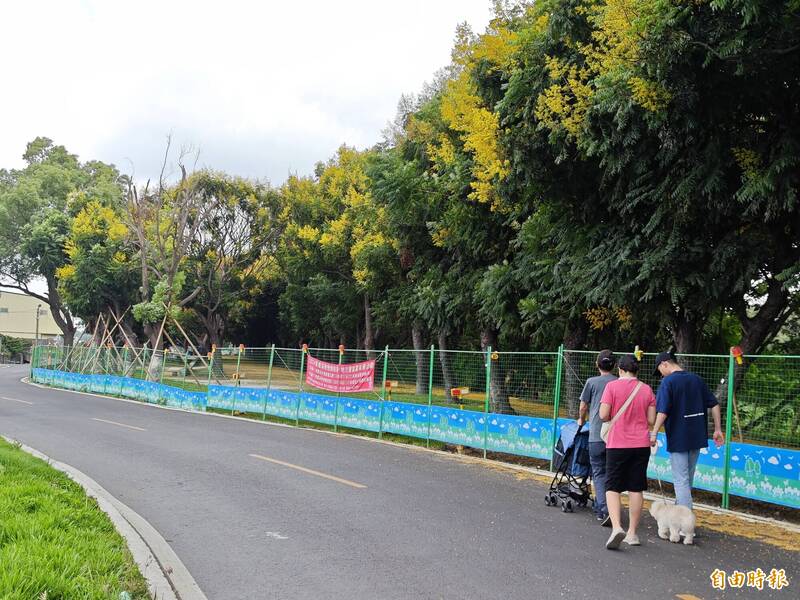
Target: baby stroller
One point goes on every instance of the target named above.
(572, 469)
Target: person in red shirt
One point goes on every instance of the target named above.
(627, 447)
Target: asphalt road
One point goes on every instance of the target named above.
(364, 520)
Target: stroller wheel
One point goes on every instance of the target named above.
(547, 500)
(566, 506)
(553, 500)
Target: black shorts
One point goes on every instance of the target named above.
(626, 469)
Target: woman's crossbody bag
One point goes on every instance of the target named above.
(605, 429)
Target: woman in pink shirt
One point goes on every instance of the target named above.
(627, 447)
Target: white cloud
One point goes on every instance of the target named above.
(261, 88)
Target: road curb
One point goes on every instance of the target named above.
(167, 577)
(791, 527)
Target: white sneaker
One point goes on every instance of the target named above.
(615, 539)
(632, 540)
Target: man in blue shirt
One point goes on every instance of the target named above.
(682, 404)
(590, 405)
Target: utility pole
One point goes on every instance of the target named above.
(38, 310)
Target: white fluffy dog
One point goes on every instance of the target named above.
(673, 520)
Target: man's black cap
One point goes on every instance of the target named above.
(662, 356)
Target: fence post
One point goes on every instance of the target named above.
(145, 365)
(124, 370)
(210, 358)
(383, 389)
(161, 376)
(300, 393)
(163, 366)
(556, 399)
(487, 398)
(33, 361)
(430, 397)
(338, 385)
(239, 362)
(269, 382)
(238, 384)
(105, 369)
(728, 418)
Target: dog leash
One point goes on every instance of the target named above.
(660, 487)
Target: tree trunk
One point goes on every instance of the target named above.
(757, 331)
(574, 339)
(69, 341)
(498, 394)
(215, 328)
(100, 333)
(369, 336)
(685, 334)
(69, 337)
(447, 370)
(154, 367)
(59, 313)
(151, 333)
(420, 355)
(761, 328)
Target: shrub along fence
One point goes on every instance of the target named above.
(499, 402)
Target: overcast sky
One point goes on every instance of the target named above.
(263, 89)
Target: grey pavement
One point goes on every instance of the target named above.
(426, 525)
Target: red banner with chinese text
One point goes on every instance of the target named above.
(351, 377)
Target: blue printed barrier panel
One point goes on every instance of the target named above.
(221, 397)
(84, 383)
(153, 392)
(406, 419)
(765, 473)
(96, 383)
(281, 403)
(710, 471)
(194, 400)
(170, 396)
(318, 408)
(458, 426)
(526, 436)
(102, 383)
(360, 414)
(757, 472)
(129, 388)
(241, 399)
(250, 400)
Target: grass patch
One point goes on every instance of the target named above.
(55, 542)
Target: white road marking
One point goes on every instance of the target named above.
(16, 400)
(276, 535)
(310, 471)
(119, 424)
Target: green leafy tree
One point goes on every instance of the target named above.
(35, 221)
(234, 247)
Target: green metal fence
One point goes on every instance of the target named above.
(485, 399)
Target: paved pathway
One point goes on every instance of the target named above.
(262, 511)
